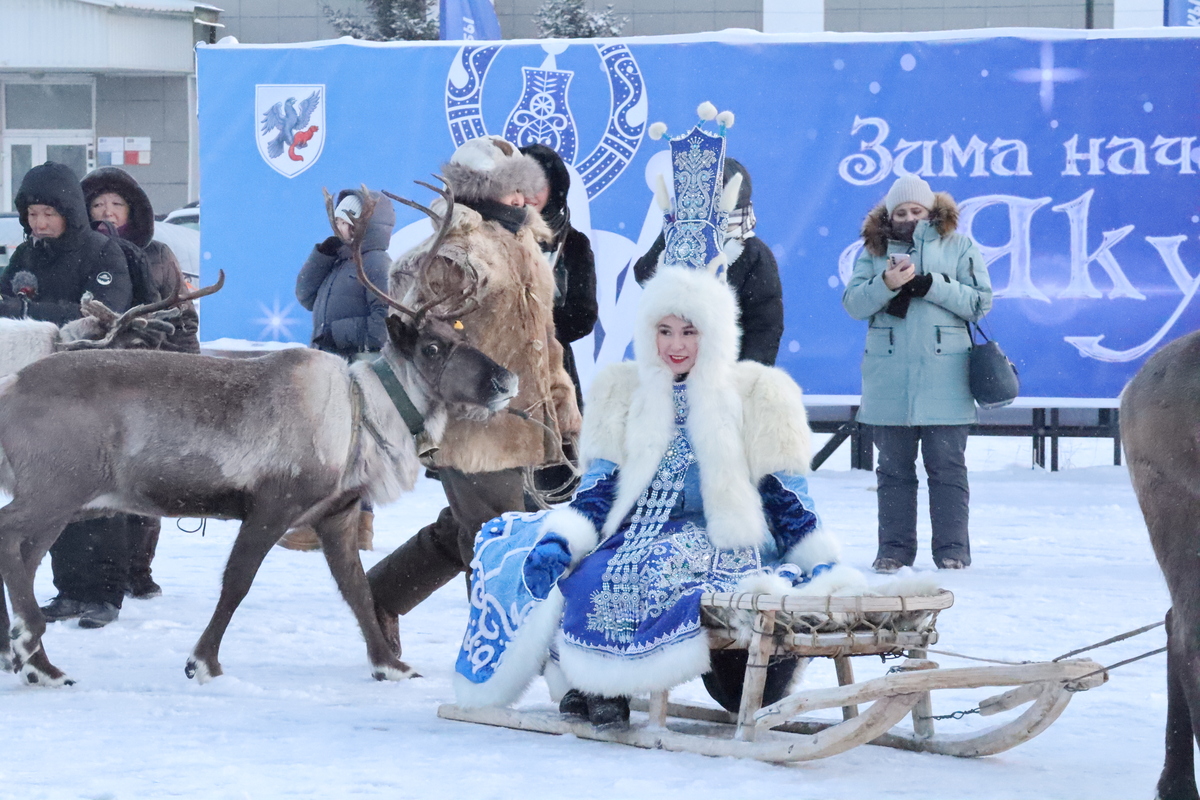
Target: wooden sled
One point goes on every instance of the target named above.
(838, 628)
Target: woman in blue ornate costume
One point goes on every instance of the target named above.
(694, 482)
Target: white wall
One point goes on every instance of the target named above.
(793, 16)
(1137, 13)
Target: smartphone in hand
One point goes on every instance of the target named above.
(898, 260)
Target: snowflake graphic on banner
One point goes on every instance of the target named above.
(276, 321)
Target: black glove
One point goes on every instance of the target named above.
(330, 246)
(919, 286)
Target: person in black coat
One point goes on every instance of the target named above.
(575, 307)
(62, 253)
(60, 260)
(113, 196)
(348, 319)
(752, 274)
(570, 256)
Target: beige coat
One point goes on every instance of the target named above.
(513, 324)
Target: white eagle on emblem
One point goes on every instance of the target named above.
(292, 124)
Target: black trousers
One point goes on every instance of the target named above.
(90, 560)
(443, 549)
(943, 449)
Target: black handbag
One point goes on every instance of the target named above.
(993, 377)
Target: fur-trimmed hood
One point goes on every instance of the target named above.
(140, 227)
(877, 228)
(55, 185)
(745, 420)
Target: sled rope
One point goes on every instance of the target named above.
(1072, 688)
(952, 654)
(1114, 639)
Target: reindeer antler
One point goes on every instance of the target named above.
(442, 221)
(143, 313)
(359, 231)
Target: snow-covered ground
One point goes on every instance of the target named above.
(1061, 560)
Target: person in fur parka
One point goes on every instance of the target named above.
(694, 481)
(492, 250)
(920, 284)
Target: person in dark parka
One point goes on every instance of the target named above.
(575, 309)
(65, 265)
(570, 256)
(753, 275)
(348, 319)
(113, 196)
(66, 258)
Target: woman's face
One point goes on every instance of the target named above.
(515, 199)
(909, 212)
(45, 222)
(678, 344)
(110, 207)
(538, 201)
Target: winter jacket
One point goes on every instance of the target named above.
(914, 369)
(754, 277)
(575, 310)
(164, 273)
(347, 317)
(80, 260)
(510, 319)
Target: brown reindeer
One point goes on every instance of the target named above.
(1160, 430)
(293, 438)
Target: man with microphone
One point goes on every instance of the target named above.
(60, 260)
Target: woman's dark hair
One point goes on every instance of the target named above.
(559, 178)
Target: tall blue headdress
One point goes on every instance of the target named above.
(694, 222)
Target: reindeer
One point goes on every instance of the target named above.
(1160, 430)
(293, 438)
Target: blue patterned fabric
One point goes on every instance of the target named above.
(694, 230)
(789, 510)
(640, 590)
(597, 488)
(501, 598)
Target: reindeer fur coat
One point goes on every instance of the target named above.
(512, 323)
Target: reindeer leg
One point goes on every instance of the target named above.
(339, 542)
(1178, 779)
(6, 655)
(257, 535)
(26, 530)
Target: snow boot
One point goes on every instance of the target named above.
(302, 538)
(97, 615)
(608, 713)
(366, 530)
(886, 566)
(63, 608)
(574, 704)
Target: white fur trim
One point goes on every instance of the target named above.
(556, 682)
(578, 530)
(726, 118)
(818, 547)
(729, 194)
(763, 583)
(908, 583)
(24, 341)
(706, 111)
(841, 581)
(521, 662)
(657, 130)
(776, 430)
(614, 676)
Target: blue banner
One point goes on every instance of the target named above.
(1181, 12)
(1074, 161)
(468, 19)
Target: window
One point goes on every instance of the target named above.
(48, 106)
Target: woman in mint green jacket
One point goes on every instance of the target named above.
(919, 283)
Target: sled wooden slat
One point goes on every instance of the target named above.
(865, 604)
(832, 644)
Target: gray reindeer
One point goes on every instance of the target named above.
(292, 438)
(1160, 430)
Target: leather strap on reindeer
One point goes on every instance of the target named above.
(400, 399)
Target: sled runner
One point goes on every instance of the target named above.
(839, 628)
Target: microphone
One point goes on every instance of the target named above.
(25, 284)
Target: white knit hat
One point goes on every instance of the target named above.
(350, 205)
(909, 189)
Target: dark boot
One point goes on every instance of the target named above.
(573, 704)
(608, 713)
(97, 615)
(143, 542)
(63, 608)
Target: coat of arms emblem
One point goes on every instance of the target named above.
(290, 124)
